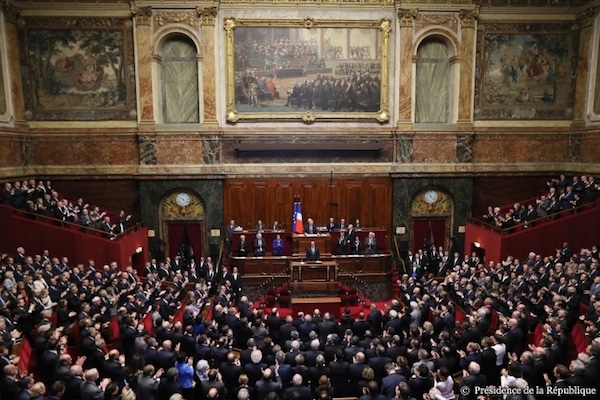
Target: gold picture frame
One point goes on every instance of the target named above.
(307, 69)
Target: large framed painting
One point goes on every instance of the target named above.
(78, 69)
(526, 71)
(307, 70)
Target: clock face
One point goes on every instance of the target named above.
(182, 199)
(431, 196)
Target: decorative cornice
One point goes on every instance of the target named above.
(407, 16)
(468, 18)
(162, 18)
(207, 15)
(586, 18)
(143, 15)
(11, 13)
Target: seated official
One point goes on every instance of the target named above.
(259, 245)
(278, 246)
(242, 247)
(371, 243)
(313, 253)
(276, 226)
(310, 228)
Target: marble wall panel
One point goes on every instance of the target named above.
(434, 148)
(588, 152)
(84, 149)
(179, 149)
(10, 151)
(521, 148)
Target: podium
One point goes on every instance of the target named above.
(301, 242)
(313, 271)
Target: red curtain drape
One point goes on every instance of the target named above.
(194, 235)
(426, 229)
(176, 232)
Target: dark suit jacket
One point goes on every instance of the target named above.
(305, 393)
(89, 390)
(313, 256)
(147, 388)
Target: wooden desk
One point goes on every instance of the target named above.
(301, 242)
(325, 271)
(324, 304)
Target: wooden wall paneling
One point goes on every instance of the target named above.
(368, 199)
(112, 195)
(379, 203)
(284, 198)
(310, 201)
(332, 207)
(236, 205)
(355, 200)
(262, 208)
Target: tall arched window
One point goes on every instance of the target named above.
(179, 73)
(432, 103)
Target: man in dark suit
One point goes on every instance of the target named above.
(311, 228)
(331, 225)
(371, 244)
(472, 379)
(147, 383)
(304, 392)
(242, 247)
(270, 382)
(165, 357)
(260, 226)
(342, 243)
(356, 246)
(313, 253)
(339, 373)
(89, 389)
(259, 245)
(390, 381)
(374, 319)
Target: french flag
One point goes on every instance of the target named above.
(297, 224)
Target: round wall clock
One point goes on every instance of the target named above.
(431, 196)
(182, 199)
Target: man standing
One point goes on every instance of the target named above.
(313, 253)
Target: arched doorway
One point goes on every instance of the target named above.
(182, 225)
(431, 223)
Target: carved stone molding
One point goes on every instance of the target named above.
(11, 13)
(143, 15)
(424, 20)
(468, 18)
(186, 17)
(407, 16)
(207, 15)
(586, 18)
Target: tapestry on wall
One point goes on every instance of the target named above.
(525, 71)
(78, 69)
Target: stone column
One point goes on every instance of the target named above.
(406, 18)
(586, 30)
(207, 57)
(13, 64)
(143, 35)
(468, 23)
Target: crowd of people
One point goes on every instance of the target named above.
(560, 194)
(40, 199)
(415, 348)
(358, 92)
